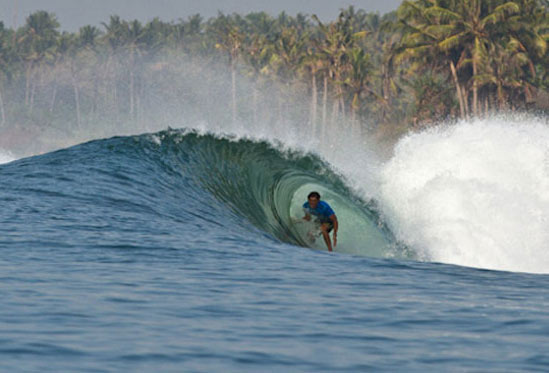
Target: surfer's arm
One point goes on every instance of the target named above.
(333, 218)
(307, 215)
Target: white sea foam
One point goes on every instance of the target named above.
(6, 156)
(473, 194)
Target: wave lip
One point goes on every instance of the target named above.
(473, 194)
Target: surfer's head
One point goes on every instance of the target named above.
(313, 199)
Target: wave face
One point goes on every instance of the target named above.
(473, 194)
(266, 187)
(214, 187)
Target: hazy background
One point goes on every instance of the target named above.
(73, 14)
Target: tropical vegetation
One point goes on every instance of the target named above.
(430, 60)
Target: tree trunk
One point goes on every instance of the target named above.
(466, 102)
(115, 97)
(475, 86)
(137, 93)
(233, 89)
(132, 85)
(341, 103)
(139, 98)
(32, 93)
(27, 83)
(501, 98)
(324, 106)
(280, 106)
(114, 93)
(54, 93)
(34, 84)
(335, 111)
(458, 89)
(132, 102)
(53, 96)
(354, 126)
(314, 98)
(95, 94)
(76, 97)
(386, 88)
(386, 91)
(107, 97)
(255, 99)
(2, 111)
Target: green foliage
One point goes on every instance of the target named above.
(428, 60)
(494, 44)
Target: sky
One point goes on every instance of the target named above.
(73, 14)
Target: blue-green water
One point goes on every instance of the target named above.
(177, 252)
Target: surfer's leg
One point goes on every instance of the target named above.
(325, 233)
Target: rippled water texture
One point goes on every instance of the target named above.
(184, 252)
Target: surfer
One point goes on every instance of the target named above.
(324, 214)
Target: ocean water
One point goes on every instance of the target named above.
(184, 251)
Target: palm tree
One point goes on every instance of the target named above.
(338, 39)
(89, 38)
(286, 60)
(60, 53)
(69, 46)
(194, 24)
(135, 33)
(529, 31)
(420, 47)
(333, 51)
(38, 39)
(128, 40)
(114, 39)
(194, 28)
(257, 55)
(260, 24)
(230, 40)
(5, 56)
(289, 51)
(460, 32)
(312, 62)
(504, 70)
(389, 67)
(360, 67)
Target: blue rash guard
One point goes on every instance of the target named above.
(322, 212)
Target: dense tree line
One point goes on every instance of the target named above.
(429, 60)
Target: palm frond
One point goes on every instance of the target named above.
(451, 42)
(442, 13)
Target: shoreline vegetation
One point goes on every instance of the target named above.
(427, 62)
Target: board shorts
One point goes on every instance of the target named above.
(330, 224)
